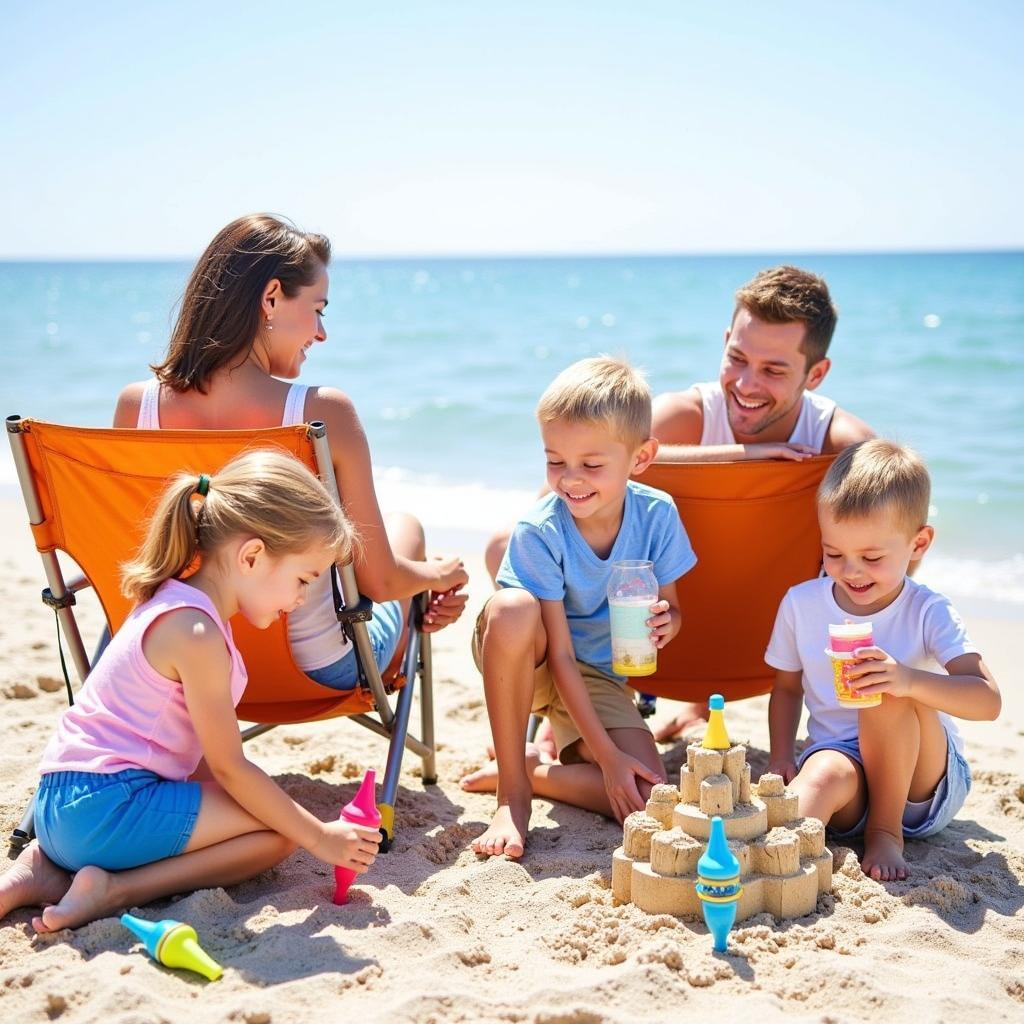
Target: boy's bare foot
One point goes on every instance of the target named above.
(89, 897)
(485, 780)
(883, 857)
(33, 880)
(507, 832)
(689, 717)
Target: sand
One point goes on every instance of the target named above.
(434, 933)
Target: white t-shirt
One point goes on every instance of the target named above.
(920, 629)
(811, 428)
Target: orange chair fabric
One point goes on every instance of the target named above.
(754, 528)
(97, 488)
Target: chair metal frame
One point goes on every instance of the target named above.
(390, 723)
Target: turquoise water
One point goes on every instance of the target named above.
(446, 358)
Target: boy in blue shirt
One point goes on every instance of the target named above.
(543, 642)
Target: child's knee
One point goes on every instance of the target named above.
(827, 773)
(512, 616)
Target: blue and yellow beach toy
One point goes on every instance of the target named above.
(718, 885)
(173, 944)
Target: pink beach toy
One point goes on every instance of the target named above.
(361, 810)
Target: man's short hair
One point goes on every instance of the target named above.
(785, 295)
(601, 390)
(874, 475)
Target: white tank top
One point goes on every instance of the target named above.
(811, 426)
(314, 633)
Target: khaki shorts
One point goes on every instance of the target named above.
(612, 701)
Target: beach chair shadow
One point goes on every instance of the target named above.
(88, 493)
(754, 528)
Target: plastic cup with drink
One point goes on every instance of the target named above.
(632, 589)
(843, 640)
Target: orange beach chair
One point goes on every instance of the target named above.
(88, 493)
(754, 527)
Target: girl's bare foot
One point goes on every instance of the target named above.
(90, 896)
(33, 880)
(883, 857)
(507, 832)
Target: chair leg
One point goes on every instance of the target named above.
(427, 710)
(396, 747)
(26, 831)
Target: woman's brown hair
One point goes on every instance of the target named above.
(219, 317)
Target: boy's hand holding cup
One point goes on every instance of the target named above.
(844, 640)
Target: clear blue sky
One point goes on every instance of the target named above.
(471, 127)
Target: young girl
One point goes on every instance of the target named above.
(119, 816)
(252, 310)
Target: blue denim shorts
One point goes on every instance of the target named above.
(114, 821)
(385, 630)
(948, 798)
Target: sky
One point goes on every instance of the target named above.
(447, 128)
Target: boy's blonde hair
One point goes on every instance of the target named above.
(602, 390)
(262, 493)
(874, 475)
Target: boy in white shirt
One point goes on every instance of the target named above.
(896, 770)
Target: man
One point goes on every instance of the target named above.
(765, 403)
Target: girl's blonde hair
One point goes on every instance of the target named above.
(262, 493)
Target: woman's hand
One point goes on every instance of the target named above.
(444, 608)
(451, 573)
(347, 846)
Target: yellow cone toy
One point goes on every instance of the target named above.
(716, 738)
(173, 944)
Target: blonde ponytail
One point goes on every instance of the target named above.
(263, 493)
(171, 544)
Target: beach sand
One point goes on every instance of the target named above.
(434, 933)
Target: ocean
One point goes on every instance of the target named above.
(445, 360)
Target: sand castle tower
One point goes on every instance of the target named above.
(784, 865)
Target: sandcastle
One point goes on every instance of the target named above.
(784, 865)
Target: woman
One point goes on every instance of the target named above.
(252, 308)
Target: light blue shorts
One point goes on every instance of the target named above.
(385, 630)
(114, 821)
(949, 796)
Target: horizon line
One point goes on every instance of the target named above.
(551, 255)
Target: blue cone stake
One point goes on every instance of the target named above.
(718, 885)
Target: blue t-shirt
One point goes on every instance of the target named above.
(548, 557)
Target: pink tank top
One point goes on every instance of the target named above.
(128, 715)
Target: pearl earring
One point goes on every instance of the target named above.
(270, 326)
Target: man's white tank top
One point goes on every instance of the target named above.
(811, 426)
(314, 634)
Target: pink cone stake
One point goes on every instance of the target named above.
(361, 810)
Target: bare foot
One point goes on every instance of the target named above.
(507, 832)
(90, 897)
(883, 857)
(689, 717)
(545, 740)
(33, 880)
(485, 780)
